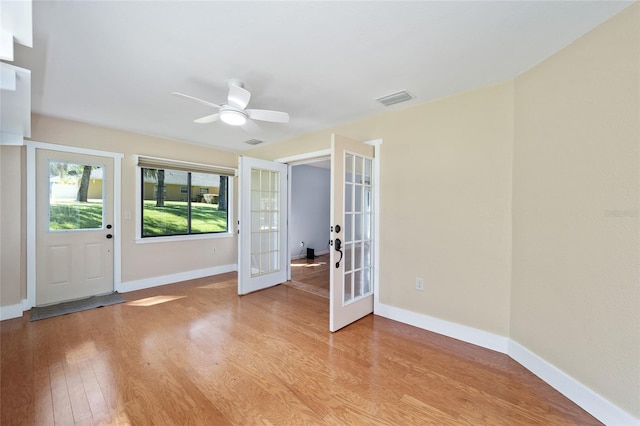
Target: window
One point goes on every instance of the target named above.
(183, 199)
(75, 196)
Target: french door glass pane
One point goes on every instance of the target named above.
(358, 174)
(358, 213)
(366, 281)
(367, 199)
(265, 221)
(366, 227)
(368, 165)
(255, 180)
(348, 292)
(358, 256)
(348, 198)
(348, 250)
(75, 196)
(348, 168)
(358, 226)
(357, 284)
(348, 228)
(366, 256)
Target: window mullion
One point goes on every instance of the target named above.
(188, 203)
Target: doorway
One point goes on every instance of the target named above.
(309, 235)
(73, 235)
(353, 224)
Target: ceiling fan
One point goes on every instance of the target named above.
(235, 112)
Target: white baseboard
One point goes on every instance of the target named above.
(461, 332)
(302, 256)
(13, 311)
(588, 400)
(174, 278)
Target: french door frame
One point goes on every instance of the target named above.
(31, 164)
(310, 157)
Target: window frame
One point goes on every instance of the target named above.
(183, 166)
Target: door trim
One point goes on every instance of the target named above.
(376, 223)
(32, 146)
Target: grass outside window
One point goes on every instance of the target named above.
(168, 210)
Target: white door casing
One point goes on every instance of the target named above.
(263, 234)
(352, 276)
(74, 241)
(32, 147)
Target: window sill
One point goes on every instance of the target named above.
(174, 238)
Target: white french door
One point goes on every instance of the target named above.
(352, 237)
(262, 242)
(74, 226)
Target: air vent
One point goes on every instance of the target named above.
(253, 142)
(395, 98)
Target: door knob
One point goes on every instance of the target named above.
(338, 248)
(109, 236)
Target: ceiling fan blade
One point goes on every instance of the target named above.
(268, 115)
(207, 118)
(196, 99)
(238, 96)
(251, 127)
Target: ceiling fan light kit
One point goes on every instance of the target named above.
(233, 117)
(234, 112)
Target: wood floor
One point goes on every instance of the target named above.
(311, 275)
(196, 353)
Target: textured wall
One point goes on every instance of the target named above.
(12, 227)
(576, 203)
(566, 136)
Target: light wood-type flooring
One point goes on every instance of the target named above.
(311, 275)
(195, 353)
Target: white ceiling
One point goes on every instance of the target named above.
(115, 63)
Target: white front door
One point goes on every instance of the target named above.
(352, 211)
(74, 226)
(262, 243)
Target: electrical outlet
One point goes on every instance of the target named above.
(419, 284)
(301, 243)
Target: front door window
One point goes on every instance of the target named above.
(75, 196)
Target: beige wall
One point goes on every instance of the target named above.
(139, 261)
(12, 231)
(566, 136)
(445, 204)
(576, 249)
